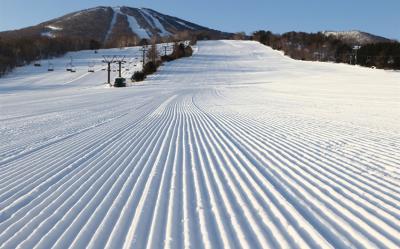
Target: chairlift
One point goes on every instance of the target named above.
(68, 67)
(37, 64)
(91, 67)
(50, 67)
(73, 69)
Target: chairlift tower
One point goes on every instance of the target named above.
(120, 60)
(166, 49)
(144, 50)
(109, 59)
(38, 59)
(70, 66)
(356, 48)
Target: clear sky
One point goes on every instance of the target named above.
(374, 16)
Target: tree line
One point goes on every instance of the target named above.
(20, 51)
(17, 51)
(155, 59)
(319, 47)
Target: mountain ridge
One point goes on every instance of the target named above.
(113, 25)
(127, 26)
(356, 37)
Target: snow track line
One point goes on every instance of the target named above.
(237, 157)
(317, 168)
(281, 216)
(332, 163)
(122, 131)
(388, 245)
(24, 153)
(346, 163)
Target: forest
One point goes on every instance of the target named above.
(319, 47)
(20, 51)
(17, 52)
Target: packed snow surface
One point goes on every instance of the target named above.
(235, 147)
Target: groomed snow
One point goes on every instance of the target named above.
(235, 147)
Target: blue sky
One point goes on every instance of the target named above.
(378, 17)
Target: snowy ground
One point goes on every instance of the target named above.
(235, 147)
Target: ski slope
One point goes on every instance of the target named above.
(235, 147)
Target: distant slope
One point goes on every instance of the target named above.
(356, 37)
(113, 25)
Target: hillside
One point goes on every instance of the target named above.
(238, 146)
(340, 47)
(100, 27)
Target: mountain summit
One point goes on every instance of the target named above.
(112, 25)
(356, 37)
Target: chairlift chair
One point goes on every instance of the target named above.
(91, 67)
(68, 67)
(51, 67)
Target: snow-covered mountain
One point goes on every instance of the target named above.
(109, 24)
(356, 37)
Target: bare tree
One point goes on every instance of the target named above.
(239, 36)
